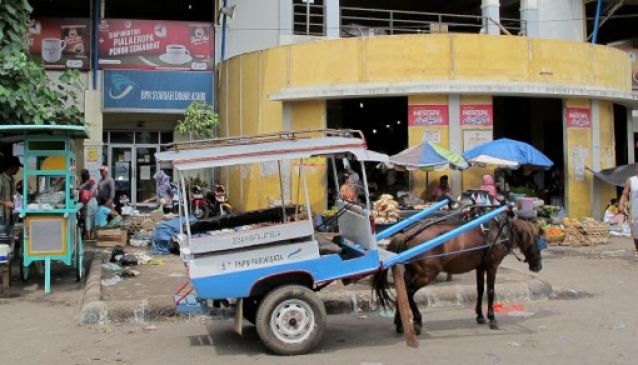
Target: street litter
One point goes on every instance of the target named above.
(176, 275)
(111, 266)
(512, 310)
(111, 281)
(619, 326)
(143, 258)
(156, 262)
(514, 343)
(128, 273)
(149, 328)
(386, 313)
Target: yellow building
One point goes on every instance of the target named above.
(289, 87)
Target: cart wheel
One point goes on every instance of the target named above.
(250, 306)
(291, 320)
(79, 258)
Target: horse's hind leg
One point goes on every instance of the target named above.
(491, 278)
(480, 287)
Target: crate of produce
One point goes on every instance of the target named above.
(111, 237)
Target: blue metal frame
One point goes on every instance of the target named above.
(599, 8)
(392, 230)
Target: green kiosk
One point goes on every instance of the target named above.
(48, 205)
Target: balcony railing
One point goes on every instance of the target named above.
(309, 20)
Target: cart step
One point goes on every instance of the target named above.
(190, 304)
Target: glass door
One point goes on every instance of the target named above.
(121, 169)
(145, 169)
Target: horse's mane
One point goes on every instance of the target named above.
(525, 231)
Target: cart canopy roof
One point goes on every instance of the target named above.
(16, 132)
(271, 147)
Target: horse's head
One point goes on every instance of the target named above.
(526, 235)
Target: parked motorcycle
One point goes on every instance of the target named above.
(212, 203)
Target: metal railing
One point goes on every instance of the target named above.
(309, 20)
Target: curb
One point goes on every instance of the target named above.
(433, 297)
(93, 309)
(339, 301)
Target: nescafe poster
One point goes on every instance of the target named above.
(155, 45)
(61, 43)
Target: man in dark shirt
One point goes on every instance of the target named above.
(106, 187)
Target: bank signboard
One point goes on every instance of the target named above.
(155, 45)
(155, 91)
(60, 43)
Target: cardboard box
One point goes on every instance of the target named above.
(111, 237)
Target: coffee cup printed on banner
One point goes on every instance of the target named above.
(52, 49)
(74, 36)
(176, 52)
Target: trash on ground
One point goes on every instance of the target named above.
(156, 262)
(111, 266)
(386, 313)
(143, 259)
(176, 275)
(514, 343)
(494, 356)
(128, 273)
(150, 327)
(129, 260)
(619, 326)
(111, 281)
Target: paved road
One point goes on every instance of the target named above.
(592, 320)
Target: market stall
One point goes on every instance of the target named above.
(48, 203)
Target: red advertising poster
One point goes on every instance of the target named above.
(61, 43)
(425, 115)
(155, 45)
(477, 115)
(578, 118)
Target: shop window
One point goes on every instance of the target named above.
(146, 137)
(166, 137)
(121, 137)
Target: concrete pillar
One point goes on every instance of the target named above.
(529, 18)
(595, 142)
(456, 139)
(562, 19)
(285, 17)
(331, 18)
(490, 9)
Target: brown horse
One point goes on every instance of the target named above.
(481, 249)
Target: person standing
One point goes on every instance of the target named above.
(88, 197)
(106, 187)
(12, 165)
(630, 196)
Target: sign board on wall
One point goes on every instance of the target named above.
(60, 43)
(93, 159)
(477, 115)
(473, 138)
(155, 91)
(426, 115)
(578, 117)
(155, 45)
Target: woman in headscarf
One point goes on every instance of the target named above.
(164, 192)
(88, 197)
(489, 185)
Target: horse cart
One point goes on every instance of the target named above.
(270, 261)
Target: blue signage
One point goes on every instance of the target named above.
(155, 91)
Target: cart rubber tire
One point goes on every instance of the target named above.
(204, 212)
(249, 309)
(291, 320)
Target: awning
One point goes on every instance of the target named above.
(616, 175)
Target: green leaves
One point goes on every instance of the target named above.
(200, 121)
(27, 95)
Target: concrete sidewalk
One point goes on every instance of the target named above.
(150, 295)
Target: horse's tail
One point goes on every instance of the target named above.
(380, 278)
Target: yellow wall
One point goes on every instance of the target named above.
(247, 80)
(579, 143)
(472, 178)
(416, 134)
(603, 191)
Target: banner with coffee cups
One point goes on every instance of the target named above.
(61, 43)
(155, 45)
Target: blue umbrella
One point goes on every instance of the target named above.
(506, 152)
(428, 156)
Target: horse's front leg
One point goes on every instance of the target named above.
(416, 314)
(491, 278)
(480, 288)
